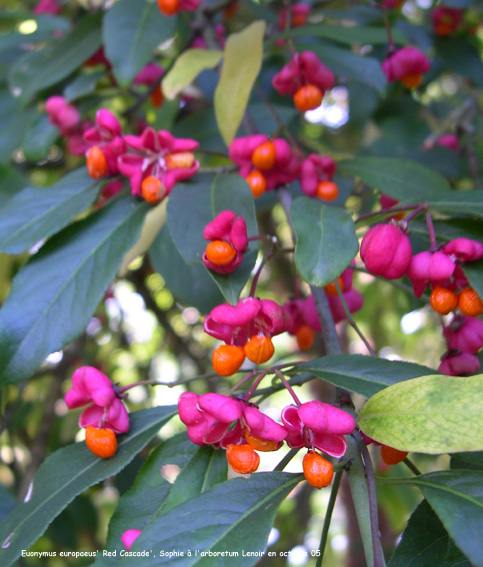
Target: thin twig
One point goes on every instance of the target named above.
(288, 387)
(328, 517)
(351, 320)
(412, 467)
(286, 460)
(371, 486)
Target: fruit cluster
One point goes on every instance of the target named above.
(238, 426)
(386, 251)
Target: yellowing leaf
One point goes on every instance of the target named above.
(242, 63)
(187, 67)
(153, 223)
(430, 414)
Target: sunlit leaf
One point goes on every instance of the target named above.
(430, 414)
(187, 67)
(242, 63)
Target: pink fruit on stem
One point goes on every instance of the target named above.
(386, 251)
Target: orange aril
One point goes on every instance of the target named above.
(157, 97)
(392, 456)
(179, 160)
(257, 183)
(227, 359)
(153, 190)
(242, 458)
(443, 300)
(220, 253)
(96, 163)
(305, 337)
(168, 7)
(469, 302)
(412, 80)
(327, 190)
(308, 97)
(317, 470)
(331, 289)
(259, 349)
(264, 156)
(101, 442)
(260, 444)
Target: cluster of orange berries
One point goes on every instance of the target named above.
(263, 159)
(227, 359)
(467, 300)
(244, 459)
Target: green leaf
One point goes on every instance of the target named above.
(461, 57)
(204, 124)
(131, 32)
(348, 65)
(46, 26)
(40, 69)
(231, 192)
(187, 67)
(65, 474)
(402, 179)
(190, 284)
(360, 497)
(430, 414)
(326, 240)
(207, 467)
(11, 181)
(35, 213)
(83, 85)
(457, 498)
(365, 375)
(153, 495)
(472, 461)
(465, 202)
(242, 63)
(191, 208)
(15, 123)
(39, 139)
(348, 34)
(424, 542)
(60, 287)
(234, 516)
(7, 502)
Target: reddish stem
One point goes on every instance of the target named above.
(289, 387)
(388, 30)
(255, 384)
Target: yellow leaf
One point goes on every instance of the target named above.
(242, 63)
(430, 414)
(187, 67)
